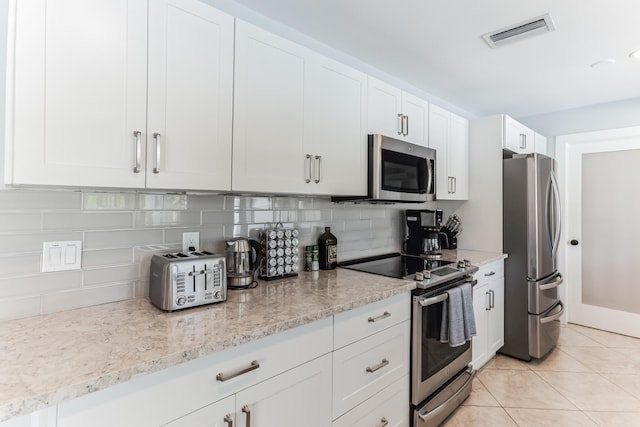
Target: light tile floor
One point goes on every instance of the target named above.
(592, 378)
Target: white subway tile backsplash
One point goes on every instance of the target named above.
(103, 276)
(122, 231)
(41, 284)
(109, 201)
(56, 221)
(20, 222)
(86, 297)
(19, 307)
(36, 199)
(121, 239)
(154, 219)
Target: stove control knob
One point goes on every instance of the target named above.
(181, 300)
(427, 274)
(419, 276)
(217, 295)
(467, 263)
(460, 264)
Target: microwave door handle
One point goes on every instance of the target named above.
(429, 175)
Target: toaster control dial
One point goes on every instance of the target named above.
(181, 300)
(217, 294)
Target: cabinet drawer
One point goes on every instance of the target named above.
(365, 367)
(362, 322)
(493, 270)
(390, 405)
(164, 396)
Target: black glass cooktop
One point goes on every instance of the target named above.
(397, 265)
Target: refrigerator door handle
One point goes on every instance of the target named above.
(558, 215)
(553, 316)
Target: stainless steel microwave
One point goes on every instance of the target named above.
(398, 172)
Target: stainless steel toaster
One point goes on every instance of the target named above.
(182, 280)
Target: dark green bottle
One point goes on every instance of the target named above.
(328, 250)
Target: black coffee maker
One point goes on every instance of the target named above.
(423, 233)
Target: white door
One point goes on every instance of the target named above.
(417, 121)
(602, 231)
(458, 157)
(190, 96)
(219, 414)
(384, 107)
(79, 93)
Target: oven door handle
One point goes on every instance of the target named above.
(433, 300)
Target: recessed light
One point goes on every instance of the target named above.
(602, 62)
(635, 54)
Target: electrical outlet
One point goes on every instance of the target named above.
(191, 240)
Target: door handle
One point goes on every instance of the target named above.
(137, 151)
(372, 369)
(228, 420)
(487, 307)
(553, 316)
(551, 285)
(247, 412)
(401, 124)
(492, 299)
(318, 160)
(308, 174)
(382, 316)
(156, 136)
(222, 377)
(574, 242)
(383, 422)
(406, 127)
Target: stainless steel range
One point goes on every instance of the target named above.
(440, 374)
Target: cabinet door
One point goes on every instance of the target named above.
(298, 397)
(190, 96)
(268, 123)
(219, 414)
(517, 137)
(416, 111)
(79, 93)
(384, 103)
(335, 128)
(541, 144)
(439, 129)
(495, 317)
(479, 352)
(458, 157)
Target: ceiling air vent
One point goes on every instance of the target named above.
(532, 27)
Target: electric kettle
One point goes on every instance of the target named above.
(243, 259)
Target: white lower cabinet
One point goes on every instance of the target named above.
(300, 396)
(389, 408)
(488, 307)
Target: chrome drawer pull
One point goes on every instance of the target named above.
(490, 274)
(228, 420)
(137, 151)
(309, 160)
(156, 136)
(247, 411)
(382, 316)
(383, 422)
(227, 376)
(380, 365)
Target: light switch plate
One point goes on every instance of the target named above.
(61, 256)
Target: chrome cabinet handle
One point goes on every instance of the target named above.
(380, 365)
(383, 422)
(318, 159)
(487, 307)
(523, 141)
(492, 299)
(308, 179)
(137, 151)
(247, 411)
(156, 136)
(401, 124)
(455, 184)
(490, 274)
(382, 316)
(222, 377)
(228, 420)
(405, 120)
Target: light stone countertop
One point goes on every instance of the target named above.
(477, 258)
(47, 359)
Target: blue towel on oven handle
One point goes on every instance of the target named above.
(458, 323)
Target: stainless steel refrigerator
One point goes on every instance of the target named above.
(531, 234)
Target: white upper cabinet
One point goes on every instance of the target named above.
(190, 96)
(80, 93)
(298, 119)
(541, 144)
(449, 136)
(517, 137)
(77, 111)
(397, 114)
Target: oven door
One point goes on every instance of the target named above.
(433, 363)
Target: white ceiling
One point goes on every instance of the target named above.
(437, 46)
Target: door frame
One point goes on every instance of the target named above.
(564, 145)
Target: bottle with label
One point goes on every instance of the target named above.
(328, 244)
